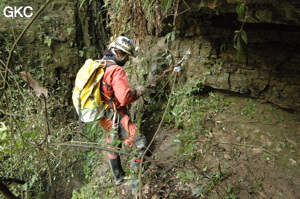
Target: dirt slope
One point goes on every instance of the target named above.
(247, 150)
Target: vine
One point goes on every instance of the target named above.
(138, 18)
(240, 36)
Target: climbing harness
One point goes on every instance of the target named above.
(116, 120)
(115, 128)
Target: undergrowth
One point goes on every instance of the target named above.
(31, 126)
(189, 114)
(139, 18)
(190, 110)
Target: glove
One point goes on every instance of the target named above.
(128, 141)
(141, 89)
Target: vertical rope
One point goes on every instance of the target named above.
(159, 126)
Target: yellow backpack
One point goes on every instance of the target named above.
(86, 94)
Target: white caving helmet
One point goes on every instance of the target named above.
(124, 44)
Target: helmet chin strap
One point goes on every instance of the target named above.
(120, 61)
(113, 51)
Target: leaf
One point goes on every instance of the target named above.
(256, 185)
(228, 157)
(166, 5)
(244, 36)
(235, 38)
(173, 36)
(37, 88)
(48, 40)
(229, 189)
(167, 37)
(69, 30)
(94, 126)
(212, 4)
(238, 47)
(240, 8)
(2, 127)
(258, 150)
(190, 148)
(176, 140)
(81, 4)
(81, 53)
(201, 190)
(267, 156)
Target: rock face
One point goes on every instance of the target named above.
(67, 32)
(269, 66)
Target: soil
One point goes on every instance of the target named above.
(250, 150)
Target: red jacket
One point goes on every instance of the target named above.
(115, 85)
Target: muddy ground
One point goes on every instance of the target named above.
(248, 150)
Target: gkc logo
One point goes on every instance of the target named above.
(17, 11)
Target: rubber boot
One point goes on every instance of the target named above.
(116, 167)
(134, 170)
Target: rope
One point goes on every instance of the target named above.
(163, 86)
(188, 53)
(170, 69)
(159, 126)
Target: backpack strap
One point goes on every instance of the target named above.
(107, 85)
(111, 99)
(109, 64)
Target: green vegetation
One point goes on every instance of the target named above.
(144, 18)
(33, 127)
(190, 108)
(240, 36)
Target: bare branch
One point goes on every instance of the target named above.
(18, 39)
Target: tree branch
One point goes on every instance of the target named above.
(91, 146)
(18, 39)
(6, 192)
